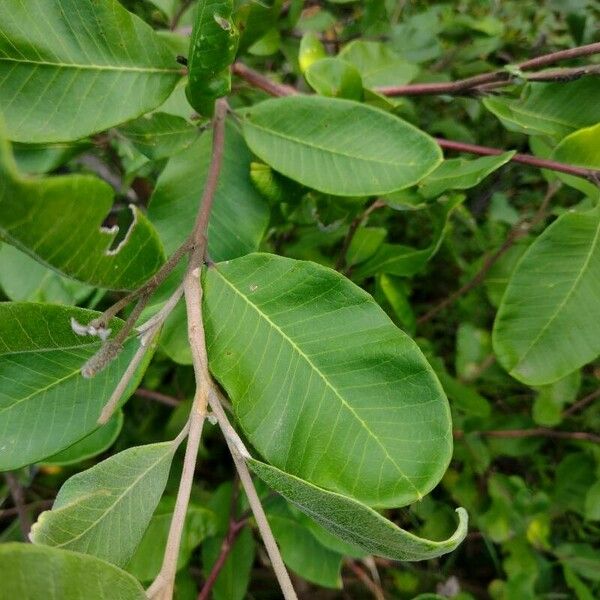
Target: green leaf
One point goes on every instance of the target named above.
(159, 135)
(239, 216)
(91, 445)
(213, 46)
(52, 403)
(41, 573)
(548, 324)
(83, 67)
(364, 244)
(461, 174)
(334, 78)
(301, 551)
(354, 522)
(43, 158)
(378, 64)
(592, 502)
(58, 221)
(338, 146)
(24, 279)
(105, 510)
(147, 560)
(548, 108)
(322, 382)
(404, 261)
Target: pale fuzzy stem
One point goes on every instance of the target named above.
(162, 587)
(239, 454)
(113, 401)
(158, 319)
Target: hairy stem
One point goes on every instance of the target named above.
(239, 454)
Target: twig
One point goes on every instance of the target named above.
(239, 453)
(275, 89)
(494, 77)
(526, 159)
(157, 397)
(517, 232)
(234, 529)
(257, 80)
(581, 404)
(16, 492)
(39, 505)
(368, 582)
(112, 403)
(162, 586)
(582, 436)
(183, 6)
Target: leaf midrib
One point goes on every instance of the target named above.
(304, 143)
(125, 491)
(325, 380)
(89, 67)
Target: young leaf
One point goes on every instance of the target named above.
(213, 46)
(105, 510)
(338, 146)
(58, 221)
(322, 382)
(548, 324)
(69, 68)
(42, 391)
(378, 64)
(239, 216)
(354, 522)
(334, 78)
(42, 573)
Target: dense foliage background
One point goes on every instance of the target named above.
(526, 462)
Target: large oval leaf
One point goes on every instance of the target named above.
(356, 523)
(338, 146)
(323, 383)
(41, 573)
(45, 403)
(549, 321)
(69, 68)
(105, 510)
(58, 221)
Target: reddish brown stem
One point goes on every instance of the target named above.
(581, 404)
(485, 79)
(257, 80)
(18, 497)
(235, 528)
(367, 581)
(526, 159)
(158, 397)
